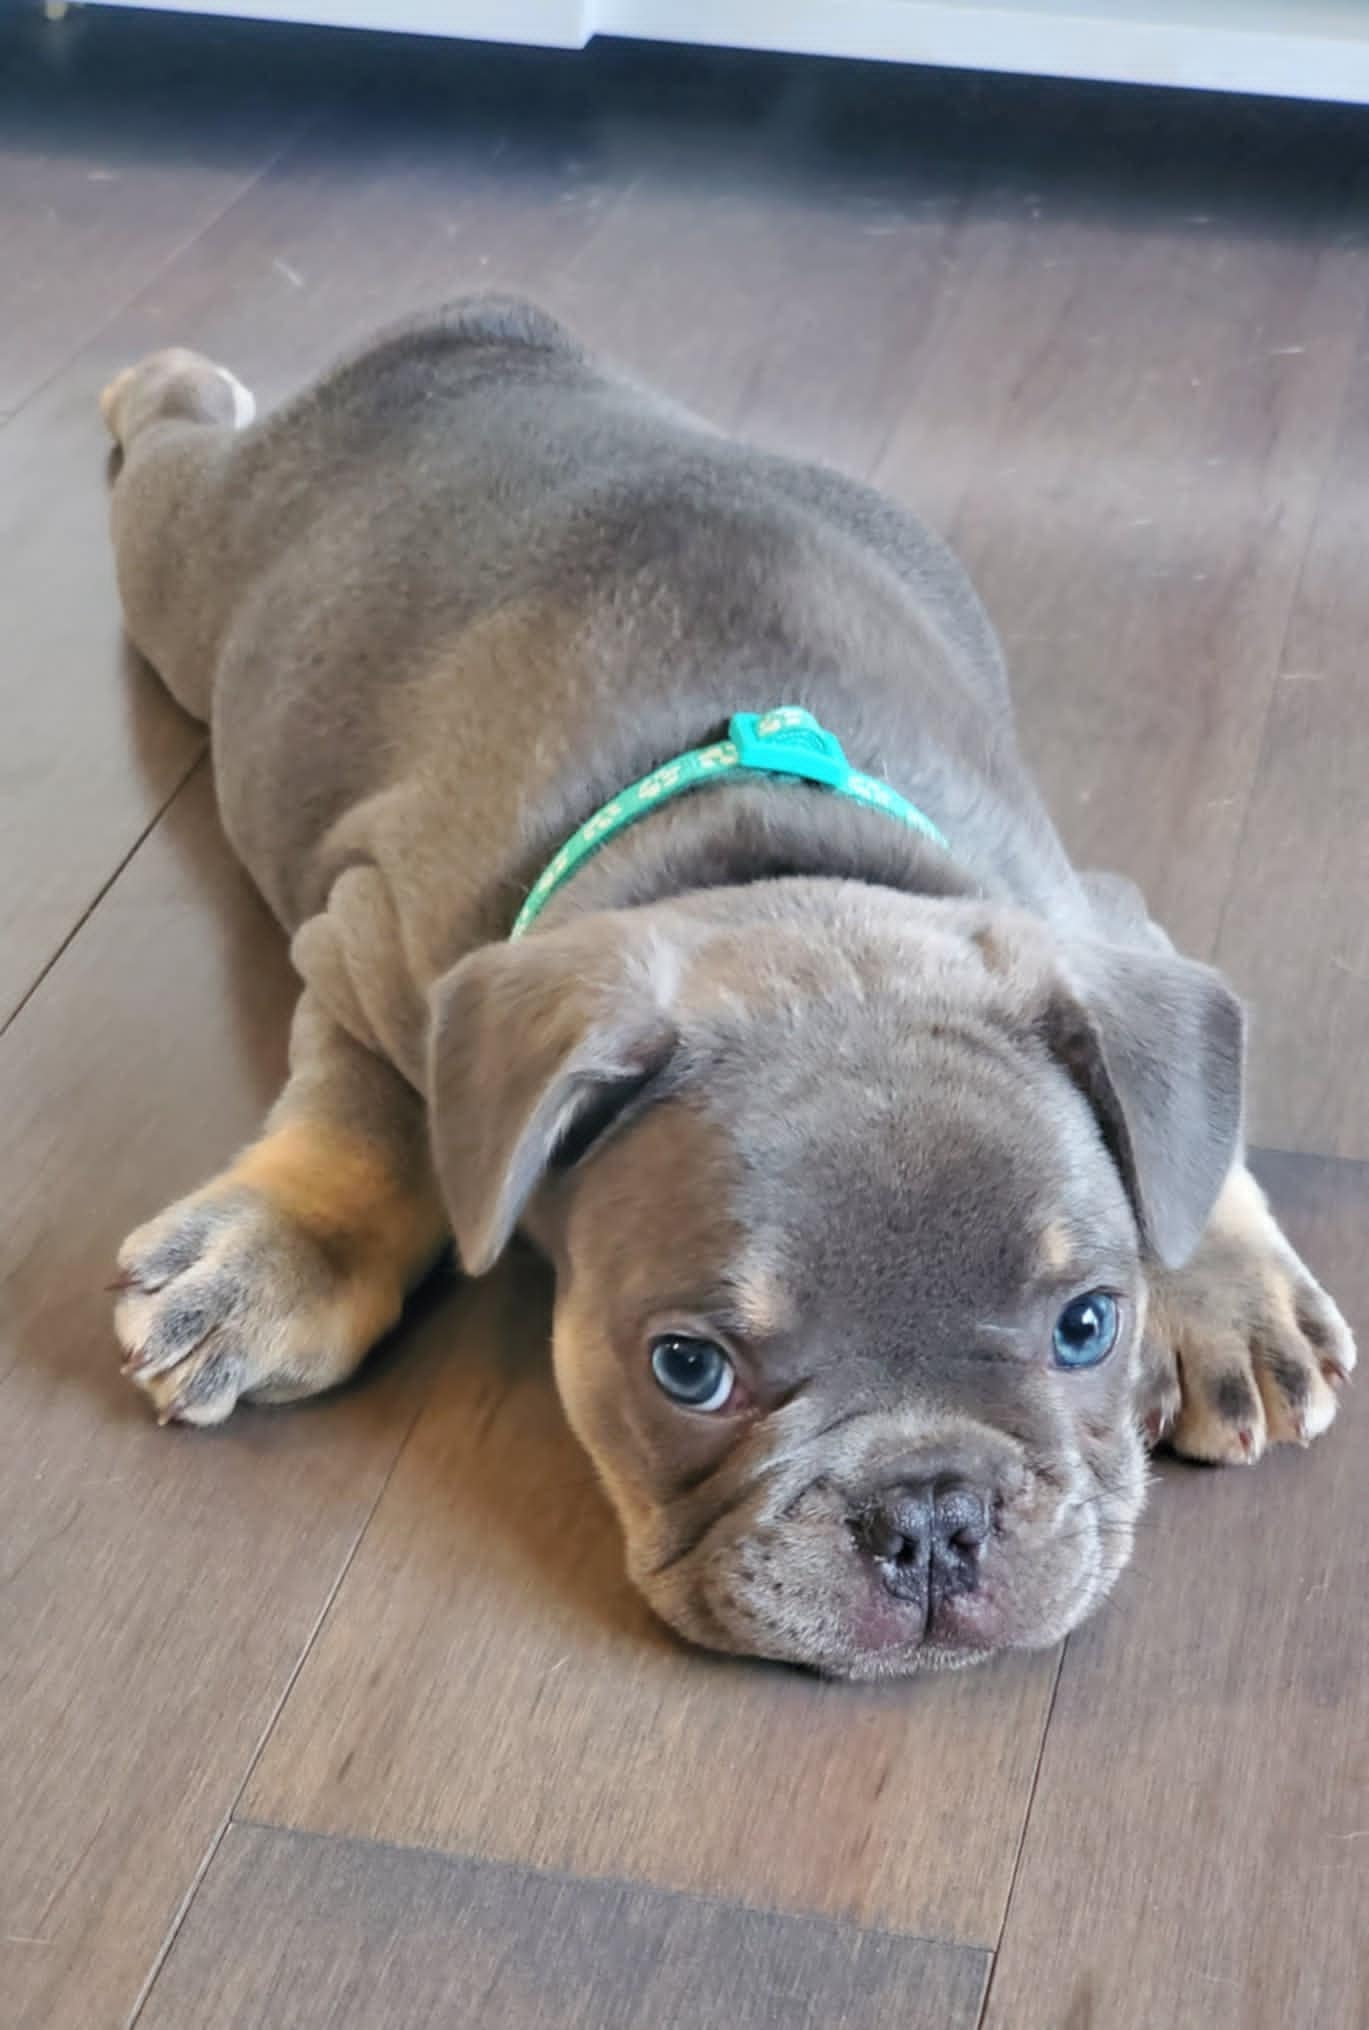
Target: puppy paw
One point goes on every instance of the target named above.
(175, 383)
(112, 397)
(1244, 1349)
(229, 1294)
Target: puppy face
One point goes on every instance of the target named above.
(851, 1340)
(849, 1267)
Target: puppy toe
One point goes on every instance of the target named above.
(1262, 1348)
(1321, 1325)
(1298, 1401)
(1158, 1396)
(203, 1388)
(160, 1331)
(1222, 1419)
(166, 1247)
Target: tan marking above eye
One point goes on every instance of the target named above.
(1055, 1250)
(762, 1305)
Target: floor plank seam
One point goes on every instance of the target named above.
(1353, 353)
(997, 1947)
(629, 1884)
(1277, 1152)
(303, 126)
(126, 860)
(230, 1816)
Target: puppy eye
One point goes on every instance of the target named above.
(1086, 1330)
(694, 1373)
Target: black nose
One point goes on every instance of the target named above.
(926, 1539)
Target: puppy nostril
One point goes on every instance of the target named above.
(962, 1518)
(882, 1538)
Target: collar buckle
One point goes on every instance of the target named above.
(789, 741)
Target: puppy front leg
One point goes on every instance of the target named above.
(275, 1279)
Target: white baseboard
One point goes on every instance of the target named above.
(1287, 48)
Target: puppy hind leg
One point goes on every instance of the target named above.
(174, 386)
(174, 419)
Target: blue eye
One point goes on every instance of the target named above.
(694, 1373)
(1086, 1330)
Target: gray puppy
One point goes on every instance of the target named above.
(891, 1170)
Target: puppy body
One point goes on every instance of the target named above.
(456, 596)
(861, 1111)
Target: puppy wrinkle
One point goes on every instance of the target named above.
(795, 1452)
(692, 1543)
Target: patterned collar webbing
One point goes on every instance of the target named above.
(787, 741)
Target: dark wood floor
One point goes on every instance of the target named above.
(344, 1716)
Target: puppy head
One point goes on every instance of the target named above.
(849, 1196)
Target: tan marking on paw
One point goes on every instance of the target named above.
(1243, 1340)
(341, 1190)
(274, 1280)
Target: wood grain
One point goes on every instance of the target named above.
(157, 1588)
(119, 148)
(374, 216)
(337, 1935)
(1196, 1854)
(487, 1683)
(1122, 422)
(1295, 936)
(1107, 347)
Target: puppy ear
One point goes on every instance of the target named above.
(535, 1049)
(1156, 1043)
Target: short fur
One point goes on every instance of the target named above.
(771, 1070)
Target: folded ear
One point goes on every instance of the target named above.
(1156, 1042)
(535, 1049)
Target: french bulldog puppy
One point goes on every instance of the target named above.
(891, 1170)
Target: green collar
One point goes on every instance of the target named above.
(784, 742)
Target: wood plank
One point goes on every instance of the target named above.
(156, 1589)
(820, 269)
(487, 1683)
(1129, 407)
(1196, 1851)
(122, 141)
(335, 1933)
(459, 171)
(1295, 936)
(733, 240)
(1132, 480)
(374, 215)
(818, 214)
